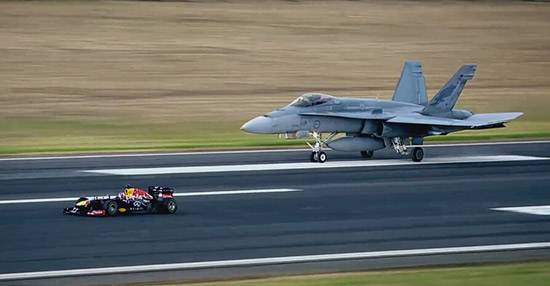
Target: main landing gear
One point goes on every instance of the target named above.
(367, 154)
(398, 144)
(317, 154)
(417, 154)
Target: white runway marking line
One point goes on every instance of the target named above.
(533, 210)
(273, 260)
(247, 151)
(152, 154)
(302, 166)
(191, 194)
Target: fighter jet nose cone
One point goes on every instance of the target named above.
(260, 124)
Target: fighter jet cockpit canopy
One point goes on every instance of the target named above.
(311, 99)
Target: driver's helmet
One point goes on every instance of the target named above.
(128, 191)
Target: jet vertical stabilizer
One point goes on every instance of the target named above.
(411, 87)
(447, 96)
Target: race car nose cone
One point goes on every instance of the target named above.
(260, 124)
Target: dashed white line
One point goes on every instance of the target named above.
(189, 194)
(533, 210)
(273, 260)
(236, 192)
(301, 166)
(34, 201)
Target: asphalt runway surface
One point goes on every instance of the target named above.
(384, 205)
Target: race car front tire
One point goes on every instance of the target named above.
(169, 206)
(111, 208)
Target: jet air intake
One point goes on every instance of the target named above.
(352, 143)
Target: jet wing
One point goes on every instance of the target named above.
(373, 115)
(474, 121)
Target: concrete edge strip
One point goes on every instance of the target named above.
(272, 260)
(302, 166)
(150, 154)
(190, 194)
(247, 151)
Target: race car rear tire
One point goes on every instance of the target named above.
(111, 208)
(169, 206)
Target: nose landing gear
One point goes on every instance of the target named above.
(317, 154)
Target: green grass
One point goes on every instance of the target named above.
(524, 274)
(226, 144)
(43, 137)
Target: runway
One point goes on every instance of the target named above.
(477, 196)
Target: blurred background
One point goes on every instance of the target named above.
(96, 76)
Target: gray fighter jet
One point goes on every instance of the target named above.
(368, 125)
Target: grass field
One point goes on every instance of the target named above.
(99, 76)
(532, 274)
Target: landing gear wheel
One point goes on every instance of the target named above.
(417, 154)
(367, 154)
(313, 157)
(322, 157)
(111, 208)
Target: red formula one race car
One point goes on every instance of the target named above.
(131, 200)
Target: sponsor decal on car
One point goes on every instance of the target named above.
(97, 212)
